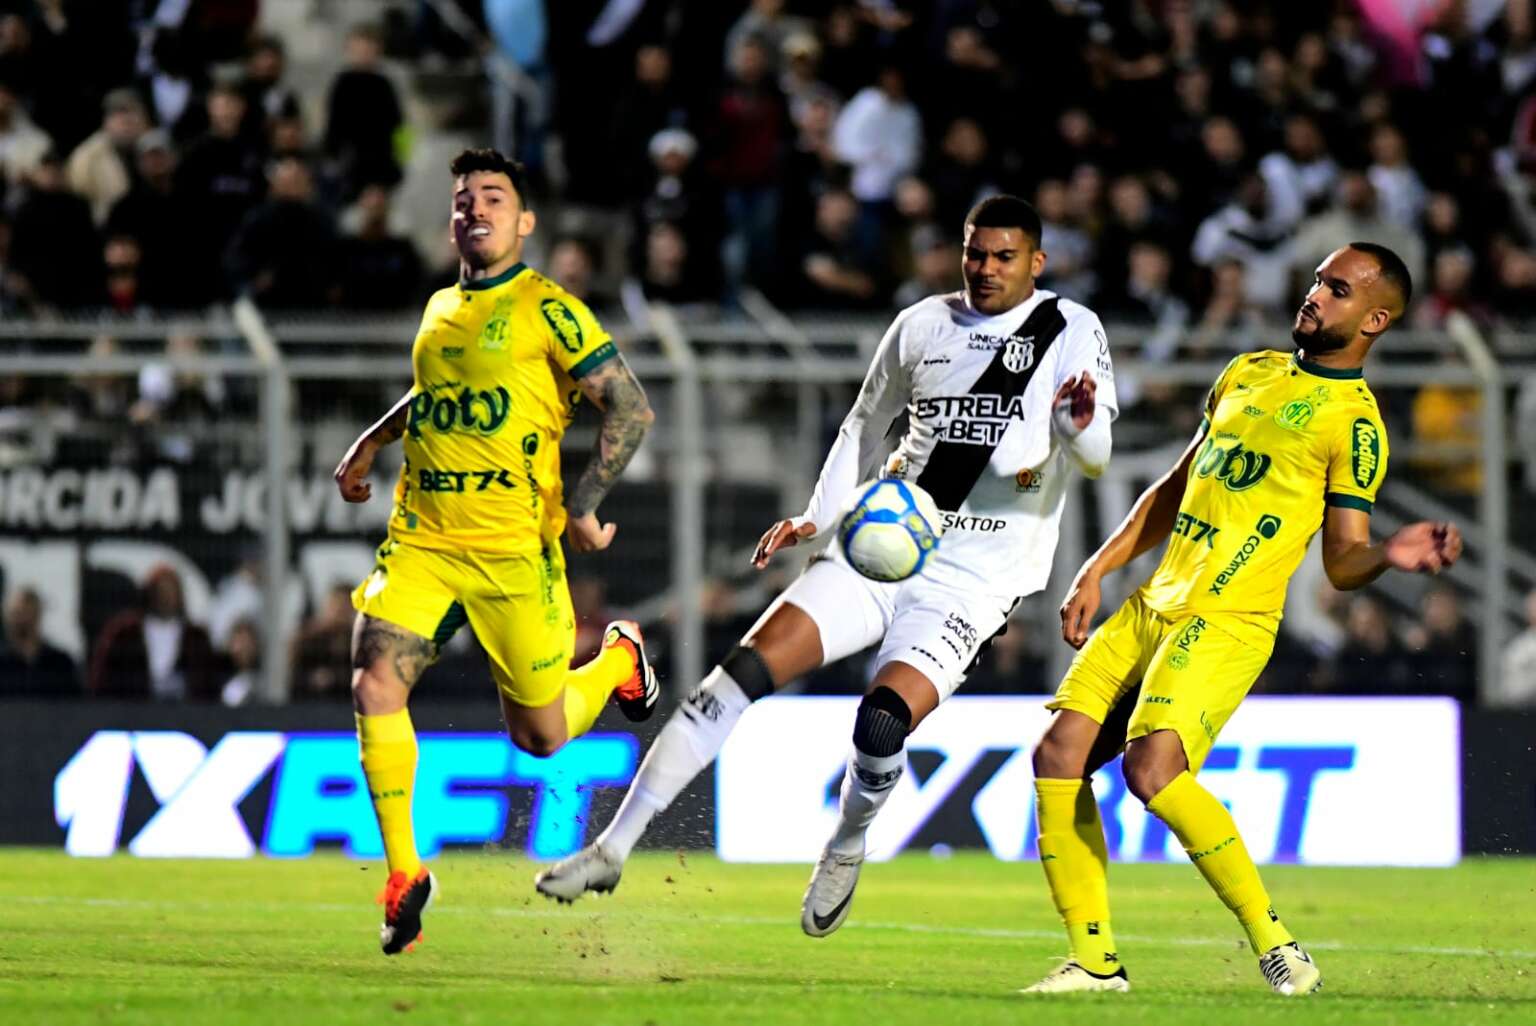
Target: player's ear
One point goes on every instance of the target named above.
(1376, 322)
(525, 222)
(1037, 263)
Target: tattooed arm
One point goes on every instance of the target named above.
(613, 388)
(352, 472)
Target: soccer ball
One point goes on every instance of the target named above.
(890, 530)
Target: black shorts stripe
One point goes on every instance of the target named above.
(953, 468)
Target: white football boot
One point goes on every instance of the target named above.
(830, 892)
(594, 868)
(1290, 970)
(1071, 978)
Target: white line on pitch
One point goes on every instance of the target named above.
(1002, 933)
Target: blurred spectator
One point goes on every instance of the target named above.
(29, 666)
(152, 651)
(1444, 647)
(879, 134)
(1400, 192)
(800, 79)
(1301, 176)
(22, 144)
(961, 173)
(835, 270)
(1133, 217)
(122, 261)
(573, 266)
(363, 115)
(848, 54)
(1515, 685)
(652, 105)
(241, 595)
(935, 266)
(15, 293)
(243, 654)
(1246, 231)
(220, 174)
(1231, 321)
(100, 397)
(764, 20)
(163, 222)
(54, 245)
(1353, 216)
(668, 273)
(284, 255)
(811, 167)
(266, 97)
(679, 192)
(322, 651)
(177, 400)
(1450, 291)
(101, 169)
(377, 269)
(1370, 662)
(748, 144)
(1068, 248)
(1147, 301)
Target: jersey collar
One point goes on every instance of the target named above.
(1339, 373)
(490, 283)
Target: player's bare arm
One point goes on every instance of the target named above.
(1148, 524)
(352, 472)
(1352, 561)
(627, 415)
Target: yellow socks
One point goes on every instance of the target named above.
(388, 747)
(588, 686)
(1075, 860)
(1206, 830)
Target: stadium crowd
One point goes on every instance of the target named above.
(1192, 161)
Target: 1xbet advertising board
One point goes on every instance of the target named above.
(1316, 781)
(1309, 780)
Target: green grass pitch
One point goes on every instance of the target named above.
(691, 940)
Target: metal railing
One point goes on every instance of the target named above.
(822, 360)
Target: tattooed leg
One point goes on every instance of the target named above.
(387, 660)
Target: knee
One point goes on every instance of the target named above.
(1053, 760)
(1146, 773)
(373, 695)
(536, 743)
(884, 719)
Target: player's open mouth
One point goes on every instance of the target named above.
(480, 231)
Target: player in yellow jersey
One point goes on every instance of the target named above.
(1290, 443)
(500, 361)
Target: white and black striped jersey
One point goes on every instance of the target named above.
(978, 393)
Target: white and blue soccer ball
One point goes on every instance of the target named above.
(890, 530)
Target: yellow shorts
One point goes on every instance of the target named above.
(518, 606)
(1193, 673)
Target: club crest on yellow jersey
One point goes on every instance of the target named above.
(1298, 413)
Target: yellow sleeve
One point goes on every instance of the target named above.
(1358, 462)
(1213, 397)
(576, 341)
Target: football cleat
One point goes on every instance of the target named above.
(1071, 978)
(594, 868)
(404, 900)
(830, 892)
(1290, 970)
(637, 695)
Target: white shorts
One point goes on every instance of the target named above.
(936, 630)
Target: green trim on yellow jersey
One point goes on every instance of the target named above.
(599, 356)
(1337, 373)
(480, 284)
(1348, 502)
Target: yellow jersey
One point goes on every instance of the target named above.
(1283, 438)
(496, 363)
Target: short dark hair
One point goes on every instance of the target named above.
(487, 159)
(1393, 271)
(1006, 211)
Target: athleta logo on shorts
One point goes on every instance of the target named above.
(479, 411)
(1267, 527)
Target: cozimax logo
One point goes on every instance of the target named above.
(317, 792)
